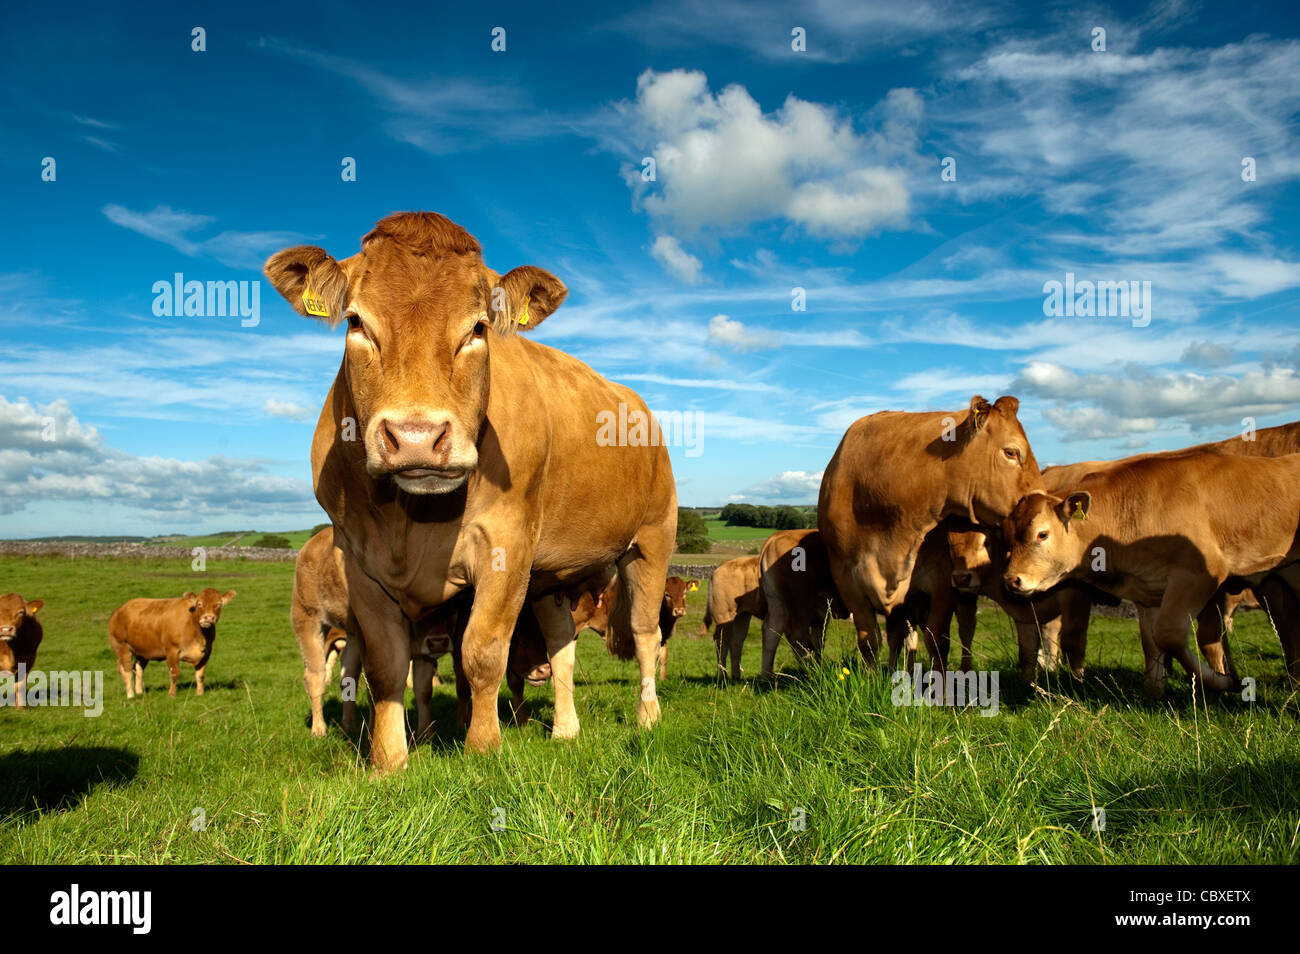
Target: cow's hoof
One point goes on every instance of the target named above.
(198, 692)
(566, 730)
(1154, 690)
(647, 713)
(318, 731)
(484, 743)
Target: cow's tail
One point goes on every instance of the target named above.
(708, 620)
(618, 636)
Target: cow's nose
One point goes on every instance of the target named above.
(961, 579)
(7, 630)
(1013, 582)
(412, 437)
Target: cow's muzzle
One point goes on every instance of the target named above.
(539, 675)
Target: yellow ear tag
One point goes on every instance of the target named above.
(523, 317)
(1078, 512)
(314, 304)
(693, 587)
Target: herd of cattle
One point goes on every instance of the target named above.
(475, 512)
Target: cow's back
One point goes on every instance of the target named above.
(735, 588)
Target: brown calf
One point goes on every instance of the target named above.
(177, 630)
(20, 636)
(735, 595)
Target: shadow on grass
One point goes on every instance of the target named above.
(48, 780)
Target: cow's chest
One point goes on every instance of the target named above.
(193, 647)
(7, 661)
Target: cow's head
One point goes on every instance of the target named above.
(14, 610)
(1045, 541)
(1002, 464)
(971, 559)
(422, 311)
(675, 589)
(206, 606)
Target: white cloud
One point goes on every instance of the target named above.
(287, 409)
(734, 334)
(678, 262)
(791, 486)
(174, 227)
(722, 163)
(1102, 405)
(76, 465)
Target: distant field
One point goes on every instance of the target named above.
(820, 769)
(245, 538)
(720, 531)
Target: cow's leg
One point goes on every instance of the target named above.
(1049, 645)
(1076, 610)
(199, 670)
(1185, 595)
(737, 633)
(966, 608)
(902, 638)
(485, 648)
(386, 643)
(1154, 658)
(1213, 624)
(518, 711)
(311, 644)
(173, 669)
(422, 671)
(350, 681)
(938, 624)
(641, 575)
(774, 625)
(556, 622)
(1283, 609)
(663, 661)
(1027, 643)
(868, 630)
(125, 663)
(138, 667)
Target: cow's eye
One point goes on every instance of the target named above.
(480, 329)
(354, 321)
(1013, 453)
(1042, 535)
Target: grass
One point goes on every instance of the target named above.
(724, 778)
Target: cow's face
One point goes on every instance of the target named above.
(422, 311)
(970, 559)
(206, 606)
(1003, 465)
(1044, 545)
(14, 610)
(675, 589)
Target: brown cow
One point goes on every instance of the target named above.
(895, 476)
(735, 595)
(595, 615)
(799, 593)
(931, 603)
(319, 612)
(178, 630)
(1165, 533)
(20, 636)
(454, 452)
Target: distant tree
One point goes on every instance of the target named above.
(692, 532)
(274, 541)
(787, 518)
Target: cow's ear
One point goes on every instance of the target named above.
(525, 297)
(227, 596)
(1008, 405)
(1075, 506)
(979, 412)
(35, 606)
(190, 598)
(311, 281)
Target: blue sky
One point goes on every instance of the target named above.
(775, 170)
